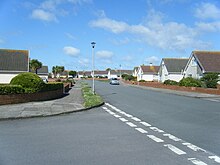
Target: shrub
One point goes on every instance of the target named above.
(11, 89)
(210, 80)
(52, 86)
(29, 81)
(142, 81)
(170, 82)
(190, 82)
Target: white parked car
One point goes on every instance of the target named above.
(114, 81)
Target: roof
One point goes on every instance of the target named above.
(101, 72)
(175, 65)
(209, 60)
(43, 70)
(85, 73)
(129, 72)
(14, 60)
(150, 69)
(135, 68)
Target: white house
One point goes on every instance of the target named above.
(101, 74)
(84, 74)
(172, 69)
(118, 73)
(147, 73)
(201, 62)
(12, 63)
(135, 70)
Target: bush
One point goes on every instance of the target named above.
(29, 81)
(210, 80)
(142, 81)
(190, 82)
(170, 82)
(52, 87)
(11, 89)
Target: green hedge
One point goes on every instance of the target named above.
(190, 82)
(170, 82)
(11, 89)
(52, 86)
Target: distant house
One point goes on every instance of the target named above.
(42, 72)
(84, 74)
(147, 73)
(201, 62)
(172, 69)
(12, 62)
(118, 73)
(101, 74)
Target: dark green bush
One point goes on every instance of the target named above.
(170, 82)
(142, 81)
(190, 82)
(128, 77)
(29, 81)
(52, 86)
(210, 80)
(11, 89)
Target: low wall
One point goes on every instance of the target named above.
(23, 98)
(176, 87)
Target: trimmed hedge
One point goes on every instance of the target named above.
(11, 89)
(190, 82)
(52, 86)
(170, 82)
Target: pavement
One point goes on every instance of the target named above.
(73, 102)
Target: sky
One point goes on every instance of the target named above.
(127, 33)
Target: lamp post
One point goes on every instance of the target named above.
(93, 74)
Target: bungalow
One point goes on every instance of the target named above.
(201, 62)
(172, 69)
(12, 63)
(118, 73)
(43, 72)
(101, 74)
(84, 74)
(147, 73)
(135, 71)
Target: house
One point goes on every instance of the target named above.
(12, 63)
(43, 72)
(135, 71)
(84, 74)
(101, 74)
(147, 73)
(118, 73)
(201, 62)
(172, 69)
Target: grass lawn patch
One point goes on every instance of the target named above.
(90, 99)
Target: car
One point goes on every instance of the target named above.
(114, 81)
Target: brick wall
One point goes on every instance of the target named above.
(22, 98)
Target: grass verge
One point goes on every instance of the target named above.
(90, 99)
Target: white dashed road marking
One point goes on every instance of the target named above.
(175, 149)
(131, 124)
(215, 158)
(156, 139)
(172, 137)
(193, 147)
(145, 124)
(141, 130)
(156, 129)
(117, 116)
(123, 119)
(136, 119)
(196, 161)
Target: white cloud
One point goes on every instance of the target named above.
(166, 36)
(207, 11)
(71, 51)
(84, 61)
(104, 54)
(43, 15)
(209, 26)
(153, 59)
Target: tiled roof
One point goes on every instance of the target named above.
(100, 72)
(129, 72)
(209, 60)
(150, 69)
(42, 70)
(14, 60)
(86, 73)
(175, 65)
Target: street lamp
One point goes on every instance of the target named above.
(93, 74)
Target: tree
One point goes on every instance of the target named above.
(57, 70)
(35, 65)
(73, 73)
(108, 69)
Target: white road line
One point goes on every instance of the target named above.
(112, 113)
(215, 158)
(131, 124)
(156, 139)
(156, 129)
(175, 149)
(172, 137)
(141, 130)
(212, 100)
(123, 119)
(193, 147)
(196, 161)
(117, 116)
(145, 124)
(136, 119)
(128, 115)
(104, 108)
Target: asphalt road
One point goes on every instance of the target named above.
(135, 126)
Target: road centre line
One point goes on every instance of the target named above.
(141, 130)
(145, 124)
(117, 116)
(131, 124)
(105, 108)
(196, 161)
(136, 119)
(215, 158)
(123, 119)
(156, 129)
(193, 147)
(156, 139)
(175, 149)
(172, 137)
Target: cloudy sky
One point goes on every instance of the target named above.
(127, 32)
